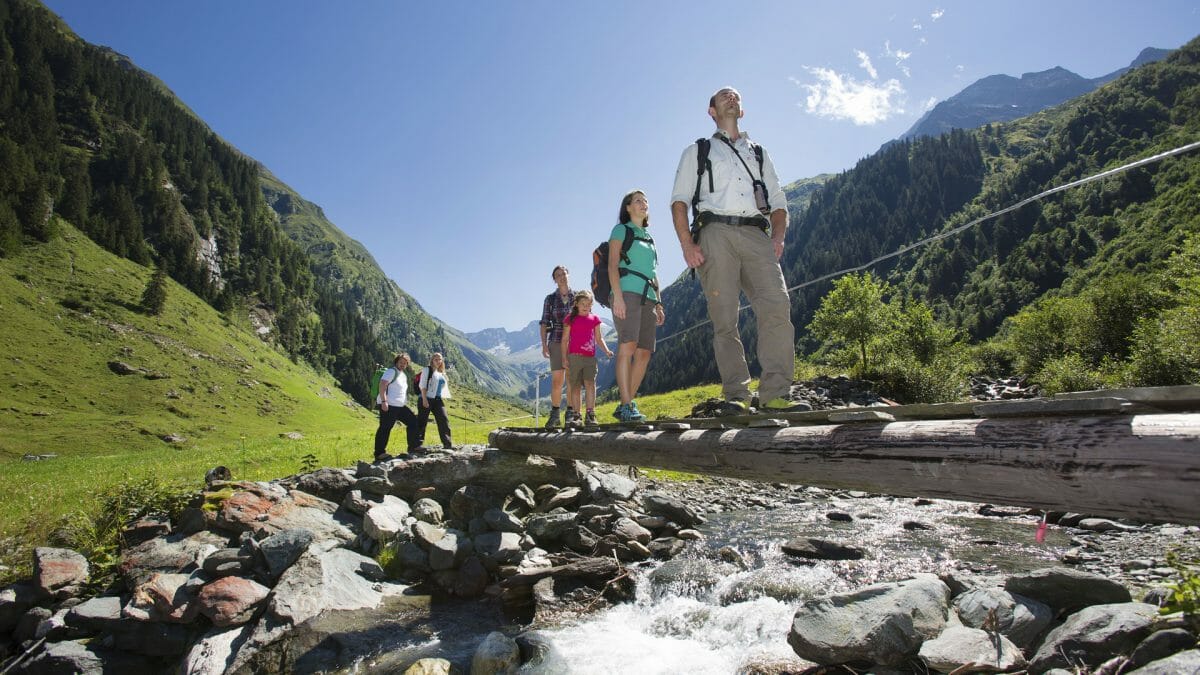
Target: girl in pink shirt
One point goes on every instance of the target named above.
(581, 334)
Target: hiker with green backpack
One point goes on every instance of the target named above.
(636, 306)
(734, 243)
(392, 399)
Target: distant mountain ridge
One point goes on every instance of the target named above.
(1000, 98)
(500, 341)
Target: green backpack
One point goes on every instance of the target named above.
(379, 371)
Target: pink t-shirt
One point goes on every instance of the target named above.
(583, 334)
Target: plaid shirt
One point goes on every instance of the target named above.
(554, 312)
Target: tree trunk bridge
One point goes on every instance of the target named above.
(1132, 453)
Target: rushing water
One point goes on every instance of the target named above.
(725, 605)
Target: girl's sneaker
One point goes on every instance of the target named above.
(619, 411)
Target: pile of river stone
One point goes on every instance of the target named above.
(1055, 620)
(220, 589)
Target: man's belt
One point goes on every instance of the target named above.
(707, 217)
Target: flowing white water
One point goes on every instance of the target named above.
(726, 605)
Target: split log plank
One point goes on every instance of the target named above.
(1145, 467)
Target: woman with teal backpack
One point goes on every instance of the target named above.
(636, 306)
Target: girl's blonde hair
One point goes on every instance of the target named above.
(438, 355)
(579, 295)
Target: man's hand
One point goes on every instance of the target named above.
(778, 248)
(692, 255)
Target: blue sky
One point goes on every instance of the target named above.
(471, 146)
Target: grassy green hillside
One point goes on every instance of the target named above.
(71, 308)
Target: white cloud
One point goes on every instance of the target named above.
(959, 70)
(841, 97)
(937, 14)
(917, 26)
(864, 62)
(929, 103)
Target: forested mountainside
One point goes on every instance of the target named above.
(914, 188)
(87, 136)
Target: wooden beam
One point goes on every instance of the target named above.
(1145, 467)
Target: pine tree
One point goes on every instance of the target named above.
(154, 298)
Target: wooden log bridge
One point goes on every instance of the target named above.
(1135, 456)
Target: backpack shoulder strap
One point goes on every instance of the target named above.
(626, 243)
(703, 164)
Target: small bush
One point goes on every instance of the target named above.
(389, 560)
(1067, 373)
(995, 358)
(906, 380)
(1184, 593)
(97, 535)
(1166, 350)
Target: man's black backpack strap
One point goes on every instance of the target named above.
(703, 164)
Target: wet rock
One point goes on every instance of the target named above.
(431, 667)
(1020, 619)
(1066, 590)
(881, 624)
(231, 601)
(535, 648)
(498, 653)
(820, 549)
(958, 646)
(59, 572)
(1103, 525)
(1094, 634)
(913, 525)
(839, 517)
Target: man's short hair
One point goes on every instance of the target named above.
(712, 100)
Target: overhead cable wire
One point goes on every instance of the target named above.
(951, 232)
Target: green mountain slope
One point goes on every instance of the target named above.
(71, 309)
(915, 188)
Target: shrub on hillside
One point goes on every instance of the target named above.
(907, 380)
(1166, 349)
(1069, 372)
(97, 534)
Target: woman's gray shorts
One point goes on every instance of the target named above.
(639, 324)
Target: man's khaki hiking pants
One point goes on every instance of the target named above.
(742, 257)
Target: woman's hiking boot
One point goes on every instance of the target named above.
(554, 421)
(572, 418)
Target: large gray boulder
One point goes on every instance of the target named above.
(498, 653)
(331, 484)
(1095, 634)
(282, 549)
(1066, 589)
(607, 487)
(958, 646)
(677, 511)
(1020, 619)
(883, 624)
(384, 521)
